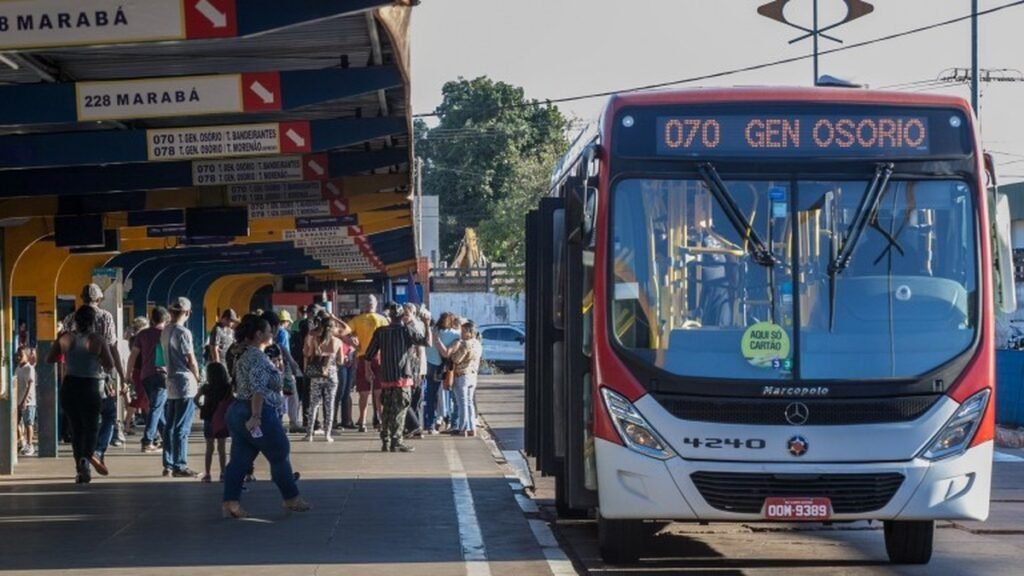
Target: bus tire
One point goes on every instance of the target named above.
(909, 541)
(619, 540)
(562, 502)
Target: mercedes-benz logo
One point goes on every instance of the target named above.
(797, 413)
(798, 446)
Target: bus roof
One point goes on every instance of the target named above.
(784, 94)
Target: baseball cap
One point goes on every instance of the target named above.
(92, 293)
(181, 304)
(285, 316)
(230, 314)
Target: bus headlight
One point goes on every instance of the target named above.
(633, 428)
(958, 432)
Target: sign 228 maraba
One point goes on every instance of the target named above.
(28, 24)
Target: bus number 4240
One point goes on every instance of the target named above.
(750, 443)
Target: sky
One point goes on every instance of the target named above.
(560, 48)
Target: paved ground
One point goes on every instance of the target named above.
(992, 548)
(445, 510)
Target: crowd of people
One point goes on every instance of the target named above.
(256, 372)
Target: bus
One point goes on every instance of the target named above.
(768, 304)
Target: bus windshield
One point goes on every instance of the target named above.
(693, 294)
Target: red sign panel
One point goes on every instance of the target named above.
(315, 167)
(261, 92)
(295, 137)
(210, 19)
(797, 509)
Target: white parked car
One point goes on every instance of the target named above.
(504, 346)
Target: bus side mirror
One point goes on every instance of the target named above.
(1006, 293)
(589, 214)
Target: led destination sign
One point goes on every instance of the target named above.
(783, 135)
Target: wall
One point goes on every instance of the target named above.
(481, 307)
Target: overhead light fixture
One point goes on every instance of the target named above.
(10, 63)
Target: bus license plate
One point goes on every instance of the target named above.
(797, 509)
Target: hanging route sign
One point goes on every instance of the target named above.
(239, 140)
(247, 171)
(27, 24)
(177, 96)
(285, 209)
(275, 192)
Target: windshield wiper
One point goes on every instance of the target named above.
(865, 213)
(760, 252)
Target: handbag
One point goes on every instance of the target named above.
(220, 418)
(448, 378)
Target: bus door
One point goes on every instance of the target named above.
(576, 491)
(544, 338)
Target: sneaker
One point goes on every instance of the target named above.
(362, 428)
(166, 472)
(117, 442)
(329, 438)
(186, 473)
(384, 447)
(28, 451)
(152, 449)
(403, 448)
(349, 426)
(84, 472)
(319, 432)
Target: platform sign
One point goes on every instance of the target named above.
(274, 192)
(254, 170)
(169, 144)
(326, 222)
(321, 242)
(177, 96)
(286, 209)
(26, 24)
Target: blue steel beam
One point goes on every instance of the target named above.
(58, 103)
(160, 175)
(131, 146)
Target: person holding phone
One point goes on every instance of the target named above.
(254, 421)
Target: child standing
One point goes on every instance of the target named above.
(25, 375)
(214, 393)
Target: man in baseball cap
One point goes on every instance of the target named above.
(182, 386)
(222, 336)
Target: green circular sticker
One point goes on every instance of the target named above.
(765, 344)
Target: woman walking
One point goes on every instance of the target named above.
(87, 360)
(254, 421)
(465, 357)
(324, 352)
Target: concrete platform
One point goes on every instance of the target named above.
(446, 509)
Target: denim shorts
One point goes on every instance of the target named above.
(28, 416)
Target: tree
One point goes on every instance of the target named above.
(489, 159)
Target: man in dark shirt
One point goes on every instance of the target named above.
(397, 344)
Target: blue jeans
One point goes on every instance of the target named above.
(156, 390)
(108, 419)
(430, 407)
(178, 414)
(244, 450)
(465, 389)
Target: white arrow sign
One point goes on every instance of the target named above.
(295, 137)
(260, 90)
(211, 13)
(316, 167)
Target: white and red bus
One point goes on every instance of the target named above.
(768, 305)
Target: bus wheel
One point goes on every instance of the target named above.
(619, 540)
(909, 542)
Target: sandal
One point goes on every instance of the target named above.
(233, 510)
(296, 504)
(206, 479)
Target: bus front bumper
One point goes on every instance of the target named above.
(635, 486)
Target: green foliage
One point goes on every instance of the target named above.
(489, 159)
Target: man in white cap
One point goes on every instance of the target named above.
(182, 386)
